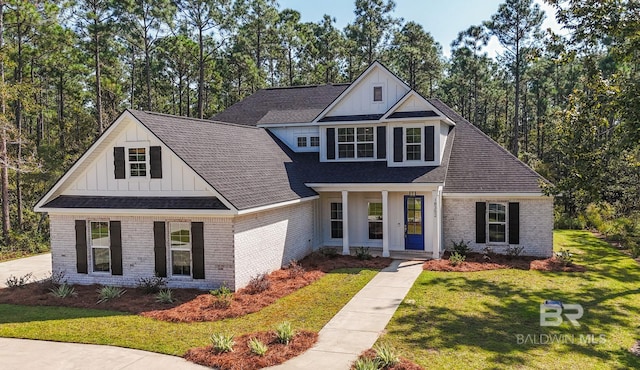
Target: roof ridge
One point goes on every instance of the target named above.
(203, 120)
(304, 86)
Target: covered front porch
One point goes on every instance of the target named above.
(392, 220)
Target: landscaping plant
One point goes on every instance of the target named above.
(258, 284)
(164, 296)
(456, 259)
(461, 247)
(366, 364)
(514, 251)
(107, 293)
(18, 282)
(295, 269)
(151, 285)
(284, 332)
(363, 254)
(257, 347)
(222, 343)
(222, 296)
(386, 355)
(565, 257)
(63, 291)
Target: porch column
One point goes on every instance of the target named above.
(345, 223)
(385, 223)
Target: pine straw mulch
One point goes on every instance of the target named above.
(404, 364)
(190, 304)
(243, 359)
(478, 262)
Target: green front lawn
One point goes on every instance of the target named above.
(309, 308)
(476, 320)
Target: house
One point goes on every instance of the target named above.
(282, 173)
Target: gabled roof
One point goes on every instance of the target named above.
(297, 104)
(240, 162)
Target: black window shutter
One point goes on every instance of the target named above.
(514, 223)
(116, 247)
(397, 144)
(481, 222)
(118, 162)
(160, 248)
(155, 159)
(81, 246)
(331, 143)
(382, 142)
(429, 145)
(197, 249)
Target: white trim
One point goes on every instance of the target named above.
(505, 204)
(345, 223)
(385, 223)
(146, 145)
(355, 187)
(276, 205)
(92, 247)
(496, 195)
(406, 97)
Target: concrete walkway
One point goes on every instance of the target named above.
(39, 266)
(360, 322)
(22, 354)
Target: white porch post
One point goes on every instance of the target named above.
(385, 223)
(345, 223)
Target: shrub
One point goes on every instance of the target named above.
(165, 296)
(487, 253)
(565, 257)
(634, 248)
(285, 333)
(597, 214)
(63, 291)
(386, 355)
(363, 254)
(222, 343)
(329, 252)
(223, 296)
(151, 285)
(258, 284)
(257, 347)
(295, 269)
(366, 364)
(461, 247)
(53, 280)
(107, 293)
(18, 282)
(567, 222)
(514, 251)
(456, 259)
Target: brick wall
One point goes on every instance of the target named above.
(269, 240)
(137, 251)
(536, 224)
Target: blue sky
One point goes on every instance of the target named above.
(443, 19)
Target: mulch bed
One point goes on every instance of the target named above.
(478, 262)
(404, 364)
(243, 359)
(190, 304)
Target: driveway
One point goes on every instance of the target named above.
(39, 266)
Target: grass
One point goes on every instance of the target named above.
(310, 308)
(472, 320)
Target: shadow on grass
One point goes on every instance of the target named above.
(20, 314)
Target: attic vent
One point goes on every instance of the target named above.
(377, 93)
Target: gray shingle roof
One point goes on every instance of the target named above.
(242, 163)
(282, 105)
(73, 201)
(480, 165)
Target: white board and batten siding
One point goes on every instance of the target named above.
(96, 177)
(290, 135)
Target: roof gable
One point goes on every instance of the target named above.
(358, 98)
(413, 105)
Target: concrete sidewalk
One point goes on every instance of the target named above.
(22, 354)
(360, 322)
(39, 266)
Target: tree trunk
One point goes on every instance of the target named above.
(516, 106)
(98, 70)
(4, 157)
(200, 74)
(61, 138)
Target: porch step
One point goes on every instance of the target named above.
(401, 255)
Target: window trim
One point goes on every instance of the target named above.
(303, 138)
(311, 141)
(505, 223)
(92, 247)
(147, 159)
(170, 249)
(405, 144)
(380, 221)
(332, 220)
(355, 143)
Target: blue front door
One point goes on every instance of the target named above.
(413, 225)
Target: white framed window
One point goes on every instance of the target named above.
(378, 94)
(314, 141)
(180, 248)
(336, 220)
(497, 222)
(374, 218)
(356, 142)
(302, 141)
(413, 144)
(137, 158)
(100, 243)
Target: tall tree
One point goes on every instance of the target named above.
(372, 25)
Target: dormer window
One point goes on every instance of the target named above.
(377, 93)
(138, 162)
(413, 144)
(355, 142)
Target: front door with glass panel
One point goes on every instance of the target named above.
(413, 222)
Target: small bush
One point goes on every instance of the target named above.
(258, 284)
(107, 293)
(53, 280)
(329, 252)
(223, 296)
(514, 251)
(565, 257)
(222, 343)
(366, 364)
(363, 254)
(461, 247)
(285, 333)
(165, 296)
(386, 355)
(456, 259)
(565, 221)
(487, 253)
(18, 282)
(634, 248)
(295, 269)
(597, 214)
(257, 347)
(63, 291)
(151, 285)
